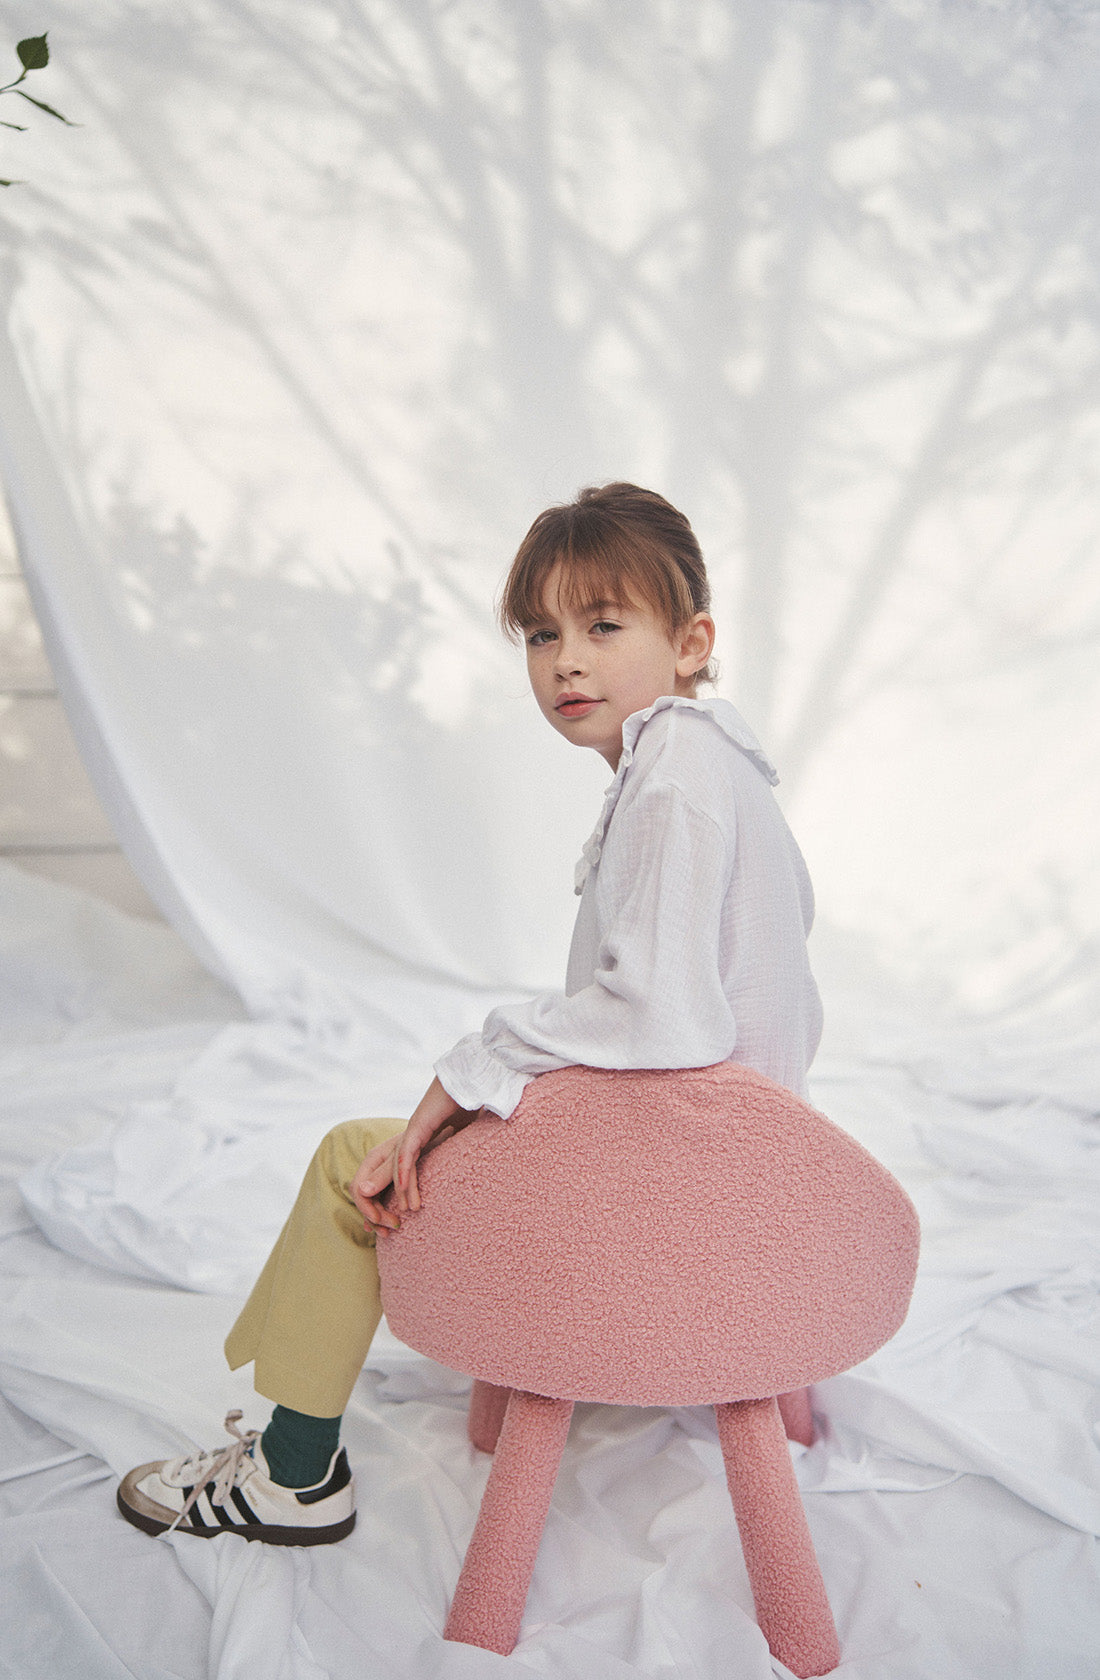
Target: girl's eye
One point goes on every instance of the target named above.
(539, 638)
(605, 625)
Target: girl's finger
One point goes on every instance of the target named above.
(404, 1154)
(380, 1218)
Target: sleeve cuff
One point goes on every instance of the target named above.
(475, 1078)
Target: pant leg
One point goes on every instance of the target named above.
(310, 1318)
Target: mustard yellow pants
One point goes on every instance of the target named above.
(309, 1320)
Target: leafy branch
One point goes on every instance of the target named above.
(33, 54)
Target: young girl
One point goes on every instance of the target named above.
(689, 949)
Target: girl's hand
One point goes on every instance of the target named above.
(437, 1116)
(371, 1181)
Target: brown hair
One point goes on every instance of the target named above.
(613, 541)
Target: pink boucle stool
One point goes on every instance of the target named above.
(672, 1238)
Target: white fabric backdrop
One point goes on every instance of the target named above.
(321, 304)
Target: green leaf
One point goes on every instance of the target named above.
(33, 52)
(42, 106)
(11, 183)
(20, 128)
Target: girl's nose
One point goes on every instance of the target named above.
(569, 662)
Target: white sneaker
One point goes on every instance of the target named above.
(231, 1492)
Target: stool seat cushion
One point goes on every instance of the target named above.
(676, 1237)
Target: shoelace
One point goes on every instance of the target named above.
(221, 1470)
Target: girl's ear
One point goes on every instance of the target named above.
(694, 644)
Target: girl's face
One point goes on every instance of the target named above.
(591, 667)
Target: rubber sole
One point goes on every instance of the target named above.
(269, 1533)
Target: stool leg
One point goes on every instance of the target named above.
(798, 1419)
(492, 1589)
(488, 1404)
(791, 1606)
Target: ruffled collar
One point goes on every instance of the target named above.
(728, 719)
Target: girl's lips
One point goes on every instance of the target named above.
(575, 708)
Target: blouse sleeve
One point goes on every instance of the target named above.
(656, 999)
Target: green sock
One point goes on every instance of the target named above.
(298, 1448)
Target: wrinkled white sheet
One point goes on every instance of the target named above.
(954, 1496)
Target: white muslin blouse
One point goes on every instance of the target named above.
(690, 941)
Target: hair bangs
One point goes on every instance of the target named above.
(602, 564)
